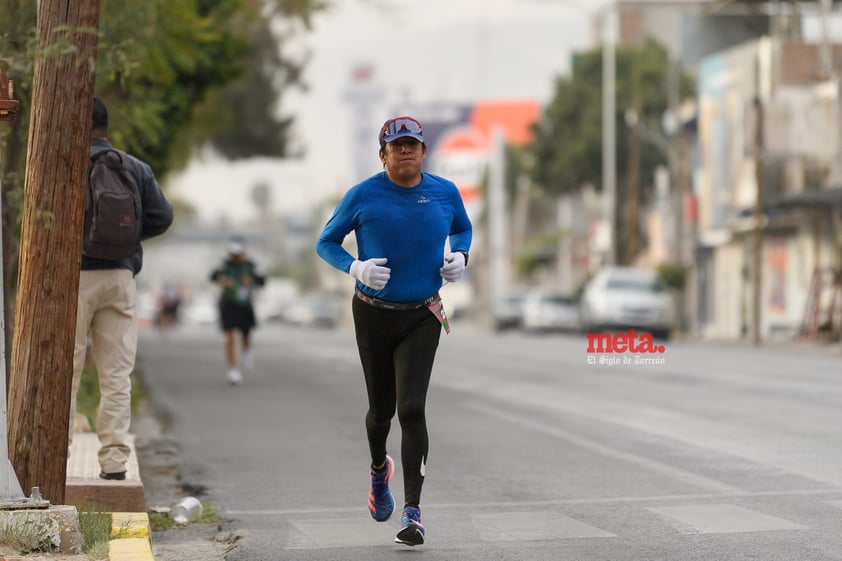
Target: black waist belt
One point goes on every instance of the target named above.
(386, 305)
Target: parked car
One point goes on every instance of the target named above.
(508, 314)
(313, 310)
(202, 309)
(550, 311)
(619, 298)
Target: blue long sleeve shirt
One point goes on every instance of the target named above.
(407, 226)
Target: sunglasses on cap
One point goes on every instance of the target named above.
(400, 127)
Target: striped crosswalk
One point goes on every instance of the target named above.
(722, 519)
(450, 525)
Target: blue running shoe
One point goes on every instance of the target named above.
(412, 531)
(381, 502)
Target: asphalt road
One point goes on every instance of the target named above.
(722, 452)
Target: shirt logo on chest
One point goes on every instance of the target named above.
(422, 200)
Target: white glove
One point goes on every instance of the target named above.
(454, 266)
(371, 272)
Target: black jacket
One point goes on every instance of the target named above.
(157, 211)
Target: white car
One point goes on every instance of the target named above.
(202, 310)
(508, 314)
(550, 311)
(314, 310)
(619, 298)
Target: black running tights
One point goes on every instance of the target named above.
(397, 350)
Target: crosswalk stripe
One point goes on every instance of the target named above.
(722, 519)
(338, 532)
(630, 499)
(358, 530)
(519, 526)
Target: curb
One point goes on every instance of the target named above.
(132, 540)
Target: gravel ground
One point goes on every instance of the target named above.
(164, 483)
(161, 472)
(10, 555)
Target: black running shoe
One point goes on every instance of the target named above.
(412, 531)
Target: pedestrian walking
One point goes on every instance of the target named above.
(237, 277)
(169, 303)
(403, 220)
(107, 303)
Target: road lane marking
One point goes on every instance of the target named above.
(527, 526)
(456, 507)
(594, 446)
(338, 532)
(742, 441)
(722, 519)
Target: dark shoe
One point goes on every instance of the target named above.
(412, 531)
(116, 476)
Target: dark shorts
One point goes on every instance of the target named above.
(236, 316)
(170, 309)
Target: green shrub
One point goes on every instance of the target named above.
(159, 521)
(26, 536)
(209, 513)
(164, 521)
(95, 527)
(673, 274)
(87, 398)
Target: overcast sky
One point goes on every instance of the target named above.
(420, 50)
(424, 51)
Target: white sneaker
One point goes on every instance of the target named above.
(234, 377)
(248, 359)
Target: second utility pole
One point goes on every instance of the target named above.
(757, 253)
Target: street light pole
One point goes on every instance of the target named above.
(609, 132)
(757, 233)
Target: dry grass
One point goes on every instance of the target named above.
(11, 555)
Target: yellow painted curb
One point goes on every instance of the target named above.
(133, 540)
(130, 549)
(130, 525)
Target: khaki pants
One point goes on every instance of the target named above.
(107, 312)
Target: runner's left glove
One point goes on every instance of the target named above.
(371, 272)
(454, 266)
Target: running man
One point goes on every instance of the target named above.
(402, 219)
(238, 277)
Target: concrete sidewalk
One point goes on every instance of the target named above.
(124, 499)
(84, 487)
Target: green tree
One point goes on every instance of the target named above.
(250, 109)
(248, 112)
(567, 150)
(160, 60)
(162, 68)
(568, 144)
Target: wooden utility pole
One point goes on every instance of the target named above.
(51, 244)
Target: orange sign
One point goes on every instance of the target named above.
(462, 156)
